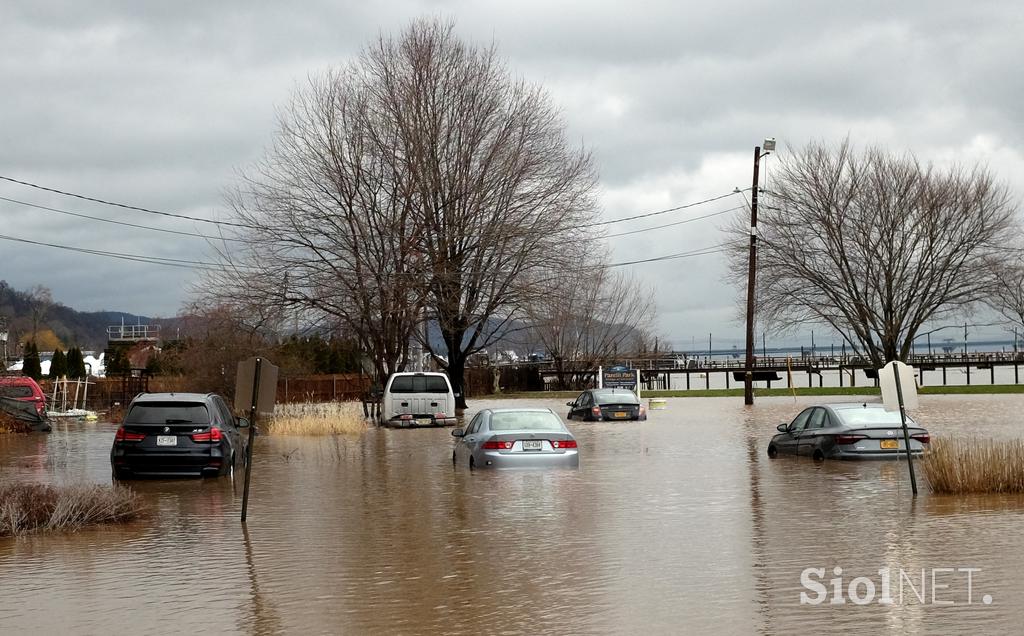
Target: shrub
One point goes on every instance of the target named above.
(958, 466)
(27, 508)
(307, 418)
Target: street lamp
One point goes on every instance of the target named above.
(748, 377)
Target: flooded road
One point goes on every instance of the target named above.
(680, 524)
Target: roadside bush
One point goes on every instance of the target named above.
(307, 418)
(26, 508)
(959, 466)
(9, 424)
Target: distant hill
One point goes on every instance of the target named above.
(85, 329)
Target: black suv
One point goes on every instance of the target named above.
(167, 434)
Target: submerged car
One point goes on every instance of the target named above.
(607, 404)
(22, 400)
(418, 399)
(515, 438)
(172, 434)
(848, 431)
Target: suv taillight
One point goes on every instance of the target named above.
(213, 435)
(127, 436)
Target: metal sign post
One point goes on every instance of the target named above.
(255, 393)
(891, 379)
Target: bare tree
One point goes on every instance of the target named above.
(1007, 294)
(875, 245)
(41, 301)
(588, 318)
(420, 182)
(498, 190)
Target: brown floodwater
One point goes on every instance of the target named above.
(680, 524)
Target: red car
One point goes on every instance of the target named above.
(21, 397)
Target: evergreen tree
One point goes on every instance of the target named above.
(75, 363)
(116, 362)
(58, 364)
(31, 366)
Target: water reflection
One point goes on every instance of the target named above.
(680, 523)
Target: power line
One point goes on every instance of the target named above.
(684, 221)
(711, 249)
(666, 211)
(124, 223)
(156, 260)
(125, 206)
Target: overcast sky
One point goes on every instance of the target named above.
(159, 104)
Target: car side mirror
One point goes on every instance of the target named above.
(458, 432)
(570, 404)
(243, 422)
(782, 428)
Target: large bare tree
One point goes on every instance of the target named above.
(591, 315)
(874, 244)
(498, 191)
(420, 182)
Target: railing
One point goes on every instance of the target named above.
(133, 333)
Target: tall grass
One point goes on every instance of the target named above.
(9, 424)
(326, 418)
(27, 508)
(972, 465)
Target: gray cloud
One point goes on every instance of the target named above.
(160, 104)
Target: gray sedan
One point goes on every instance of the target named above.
(515, 438)
(847, 431)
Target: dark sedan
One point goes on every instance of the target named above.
(167, 434)
(847, 431)
(607, 404)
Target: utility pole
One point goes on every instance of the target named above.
(748, 377)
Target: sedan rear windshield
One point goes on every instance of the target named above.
(526, 421)
(615, 397)
(864, 417)
(168, 413)
(419, 384)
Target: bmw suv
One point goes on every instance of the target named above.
(167, 434)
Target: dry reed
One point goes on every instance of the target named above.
(327, 418)
(9, 424)
(959, 466)
(27, 508)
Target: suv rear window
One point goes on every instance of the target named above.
(168, 413)
(15, 391)
(419, 384)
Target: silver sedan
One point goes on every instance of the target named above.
(515, 438)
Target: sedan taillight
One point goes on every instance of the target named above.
(127, 436)
(563, 443)
(596, 411)
(213, 435)
(848, 439)
(492, 445)
(924, 438)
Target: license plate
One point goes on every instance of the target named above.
(532, 444)
(166, 440)
(890, 444)
(621, 414)
(424, 421)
